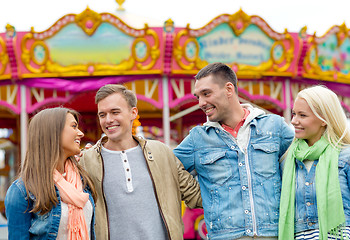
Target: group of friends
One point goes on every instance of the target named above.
(257, 178)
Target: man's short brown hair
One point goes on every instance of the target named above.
(221, 73)
(110, 89)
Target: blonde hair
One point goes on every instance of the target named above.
(42, 157)
(325, 104)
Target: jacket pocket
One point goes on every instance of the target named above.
(265, 158)
(217, 166)
(40, 224)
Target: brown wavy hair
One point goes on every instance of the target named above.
(42, 157)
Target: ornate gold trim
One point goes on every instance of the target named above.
(342, 34)
(287, 56)
(307, 60)
(88, 21)
(189, 40)
(4, 58)
(31, 52)
(146, 35)
(238, 22)
(85, 74)
(179, 52)
(120, 3)
(313, 69)
(154, 52)
(27, 57)
(133, 49)
(278, 61)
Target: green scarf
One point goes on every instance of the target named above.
(329, 200)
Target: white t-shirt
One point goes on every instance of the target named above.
(63, 228)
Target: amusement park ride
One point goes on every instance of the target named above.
(67, 63)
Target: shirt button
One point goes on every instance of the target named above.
(246, 211)
(127, 169)
(308, 203)
(310, 224)
(125, 160)
(240, 164)
(217, 131)
(129, 179)
(307, 183)
(232, 147)
(244, 187)
(248, 231)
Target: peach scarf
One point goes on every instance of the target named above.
(71, 192)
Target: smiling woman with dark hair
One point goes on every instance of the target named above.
(53, 198)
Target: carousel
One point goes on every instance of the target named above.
(66, 64)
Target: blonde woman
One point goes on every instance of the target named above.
(53, 198)
(315, 198)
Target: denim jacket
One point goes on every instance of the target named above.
(240, 187)
(22, 224)
(306, 216)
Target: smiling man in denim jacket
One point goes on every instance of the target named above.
(236, 155)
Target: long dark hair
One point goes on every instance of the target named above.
(43, 154)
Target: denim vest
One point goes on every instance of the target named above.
(306, 216)
(22, 224)
(240, 187)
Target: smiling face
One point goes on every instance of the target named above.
(307, 125)
(71, 137)
(116, 118)
(213, 99)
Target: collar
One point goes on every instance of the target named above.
(234, 131)
(104, 139)
(254, 113)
